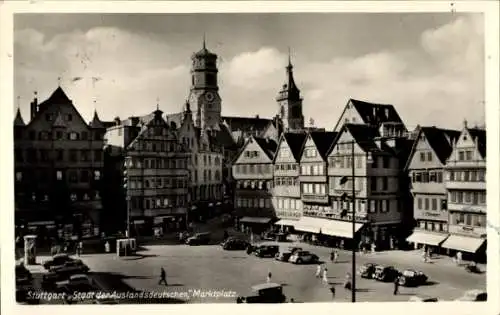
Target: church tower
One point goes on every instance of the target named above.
(204, 94)
(290, 102)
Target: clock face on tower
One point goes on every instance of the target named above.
(209, 96)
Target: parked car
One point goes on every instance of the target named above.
(23, 275)
(183, 236)
(473, 296)
(302, 257)
(423, 298)
(412, 278)
(267, 251)
(198, 239)
(266, 293)
(285, 254)
(235, 244)
(71, 267)
(269, 236)
(58, 260)
(367, 271)
(385, 273)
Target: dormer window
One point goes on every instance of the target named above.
(73, 136)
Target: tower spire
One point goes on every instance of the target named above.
(18, 102)
(289, 58)
(157, 103)
(204, 41)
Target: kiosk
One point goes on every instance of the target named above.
(126, 247)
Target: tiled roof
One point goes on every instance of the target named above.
(225, 139)
(247, 123)
(295, 141)
(18, 121)
(58, 96)
(269, 146)
(375, 114)
(323, 141)
(437, 140)
(479, 135)
(364, 135)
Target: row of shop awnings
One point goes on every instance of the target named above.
(323, 226)
(455, 242)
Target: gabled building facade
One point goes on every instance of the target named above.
(425, 168)
(286, 189)
(58, 169)
(466, 188)
(253, 173)
(156, 178)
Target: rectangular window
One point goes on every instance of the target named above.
(385, 162)
(482, 197)
(460, 155)
(385, 183)
(422, 156)
(466, 176)
(468, 155)
(475, 197)
(373, 183)
(384, 207)
(439, 177)
(480, 176)
(451, 175)
(419, 203)
(359, 162)
(468, 197)
(426, 201)
(434, 204)
(460, 197)
(429, 156)
(468, 219)
(432, 177)
(418, 177)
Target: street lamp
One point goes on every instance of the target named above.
(343, 181)
(127, 198)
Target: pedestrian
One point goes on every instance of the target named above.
(318, 271)
(332, 289)
(396, 286)
(459, 258)
(335, 256)
(163, 277)
(332, 256)
(107, 247)
(269, 275)
(325, 276)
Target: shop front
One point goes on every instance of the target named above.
(427, 239)
(286, 225)
(254, 225)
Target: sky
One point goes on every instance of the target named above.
(430, 66)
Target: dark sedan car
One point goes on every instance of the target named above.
(285, 254)
(199, 239)
(235, 244)
(386, 273)
(59, 260)
(412, 278)
(267, 251)
(367, 271)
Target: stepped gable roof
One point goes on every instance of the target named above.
(295, 141)
(246, 123)
(146, 123)
(96, 122)
(479, 135)
(175, 117)
(375, 114)
(323, 141)
(59, 121)
(269, 146)
(18, 120)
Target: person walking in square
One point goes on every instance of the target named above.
(318, 271)
(332, 290)
(269, 276)
(163, 277)
(396, 286)
(459, 258)
(325, 276)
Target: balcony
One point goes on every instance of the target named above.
(315, 198)
(466, 185)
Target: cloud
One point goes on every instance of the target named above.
(440, 82)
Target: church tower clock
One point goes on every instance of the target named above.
(290, 103)
(204, 94)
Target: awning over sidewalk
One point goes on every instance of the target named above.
(286, 222)
(327, 227)
(463, 243)
(261, 220)
(422, 237)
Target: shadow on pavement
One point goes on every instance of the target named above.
(113, 282)
(363, 290)
(429, 283)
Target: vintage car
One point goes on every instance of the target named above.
(59, 260)
(367, 271)
(385, 273)
(267, 251)
(412, 278)
(303, 257)
(235, 244)
(473, 296)
(23, 275)
(199, 239)
(285, 254)
(423, 298)
(70, 268)
(266, 293)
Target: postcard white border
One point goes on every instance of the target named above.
(490, 9)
